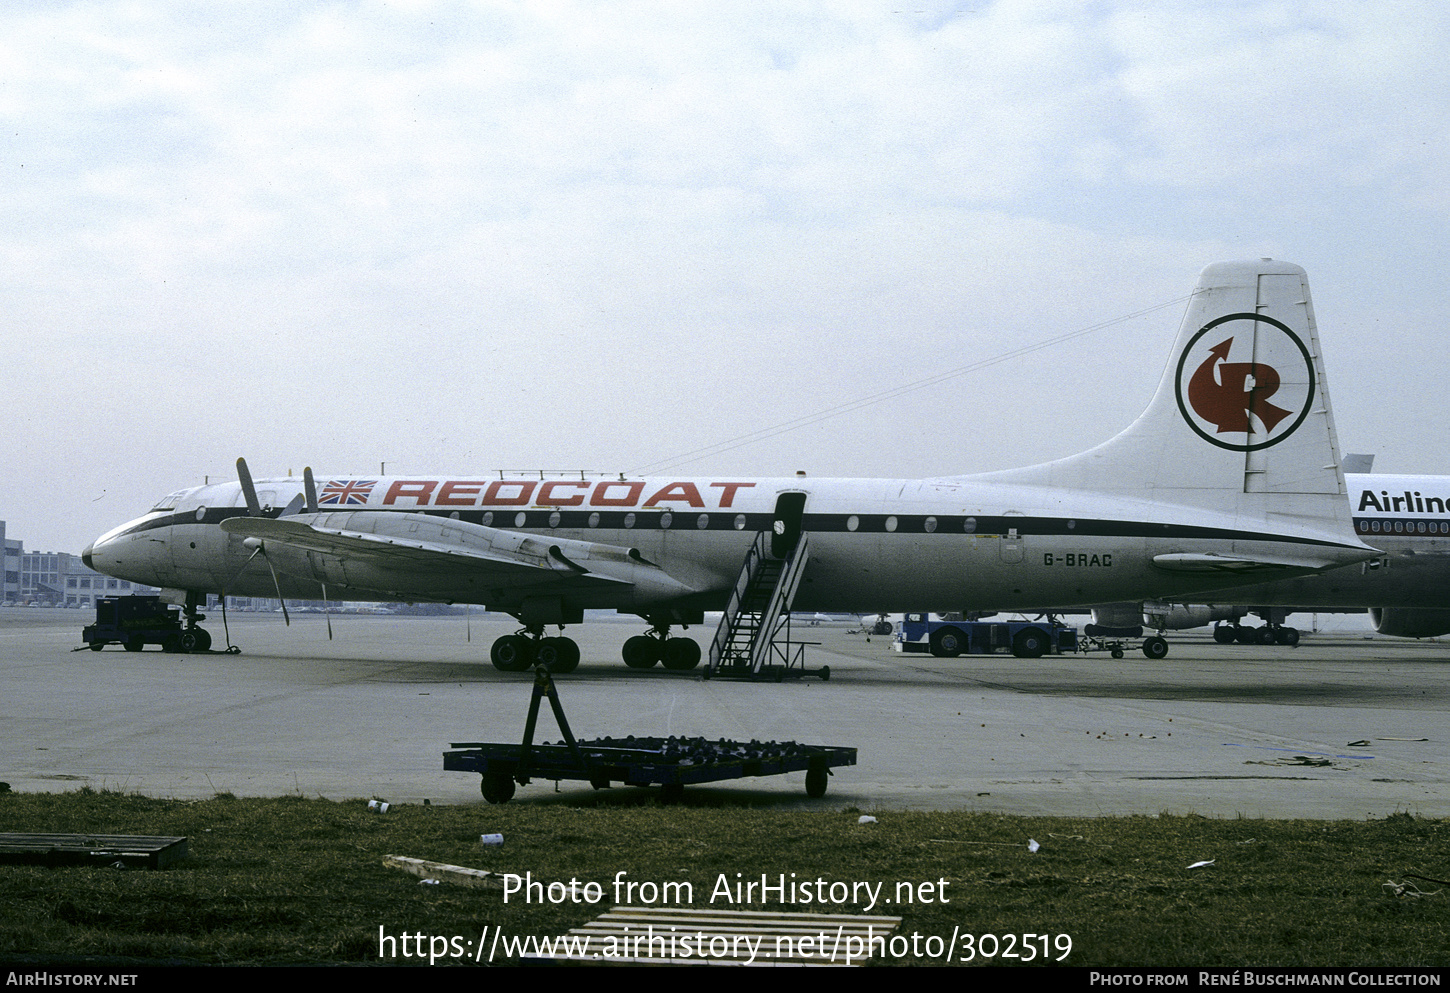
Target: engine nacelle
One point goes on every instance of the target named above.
(1181, 616)
(1402, 622)
(1116, 620)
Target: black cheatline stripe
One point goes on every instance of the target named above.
(535, 519)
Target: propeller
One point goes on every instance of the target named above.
(254, 509)
(309, 490)
(244, 476)
(307, 500)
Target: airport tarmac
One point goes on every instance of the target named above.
(1215, 730)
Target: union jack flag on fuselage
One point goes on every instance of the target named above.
(341, 492)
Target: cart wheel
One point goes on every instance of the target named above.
(1117, 653)
(816, 777)
(96, 646)
(497, 788)
(825, 673)
(600, 783)
(671, 793)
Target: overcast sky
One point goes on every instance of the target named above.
(465, 237)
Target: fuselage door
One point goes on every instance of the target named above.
(1012, 540)
(785, 530)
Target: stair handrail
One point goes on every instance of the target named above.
(753, 558)
(780, 601)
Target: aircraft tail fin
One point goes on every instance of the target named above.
(1241, 421)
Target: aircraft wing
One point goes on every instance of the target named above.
(418, 552)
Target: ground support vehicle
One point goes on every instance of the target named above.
(671, 763)
(137, 621)
(1153, 646)
(947, 638)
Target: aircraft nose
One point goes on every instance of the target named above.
(86, 555)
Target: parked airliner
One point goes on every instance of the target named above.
(1230, 476)
(1406, 588)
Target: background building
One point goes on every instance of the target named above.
(55, 579)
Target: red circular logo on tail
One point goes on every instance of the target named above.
(1245, 387)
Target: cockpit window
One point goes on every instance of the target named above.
(169, 501)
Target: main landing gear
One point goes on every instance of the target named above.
(1269, 634)
(529, 647)
(644, 650)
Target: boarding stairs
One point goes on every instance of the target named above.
(753, 640)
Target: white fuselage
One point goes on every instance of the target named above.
(950, 543)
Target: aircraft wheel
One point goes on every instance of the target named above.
(497, 787)
(1030, 643)
(882, 627)
(1223, 634)
(948, 643)
(570, 661)
(189, 641)
(203, 640)
(1288, 636)
(816, 778)
(172, 644)
(512, 653)
(641, 652)
(558, 655)
(681, 654)
(1244, 636)
(1264, 635)
(1155, 647)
